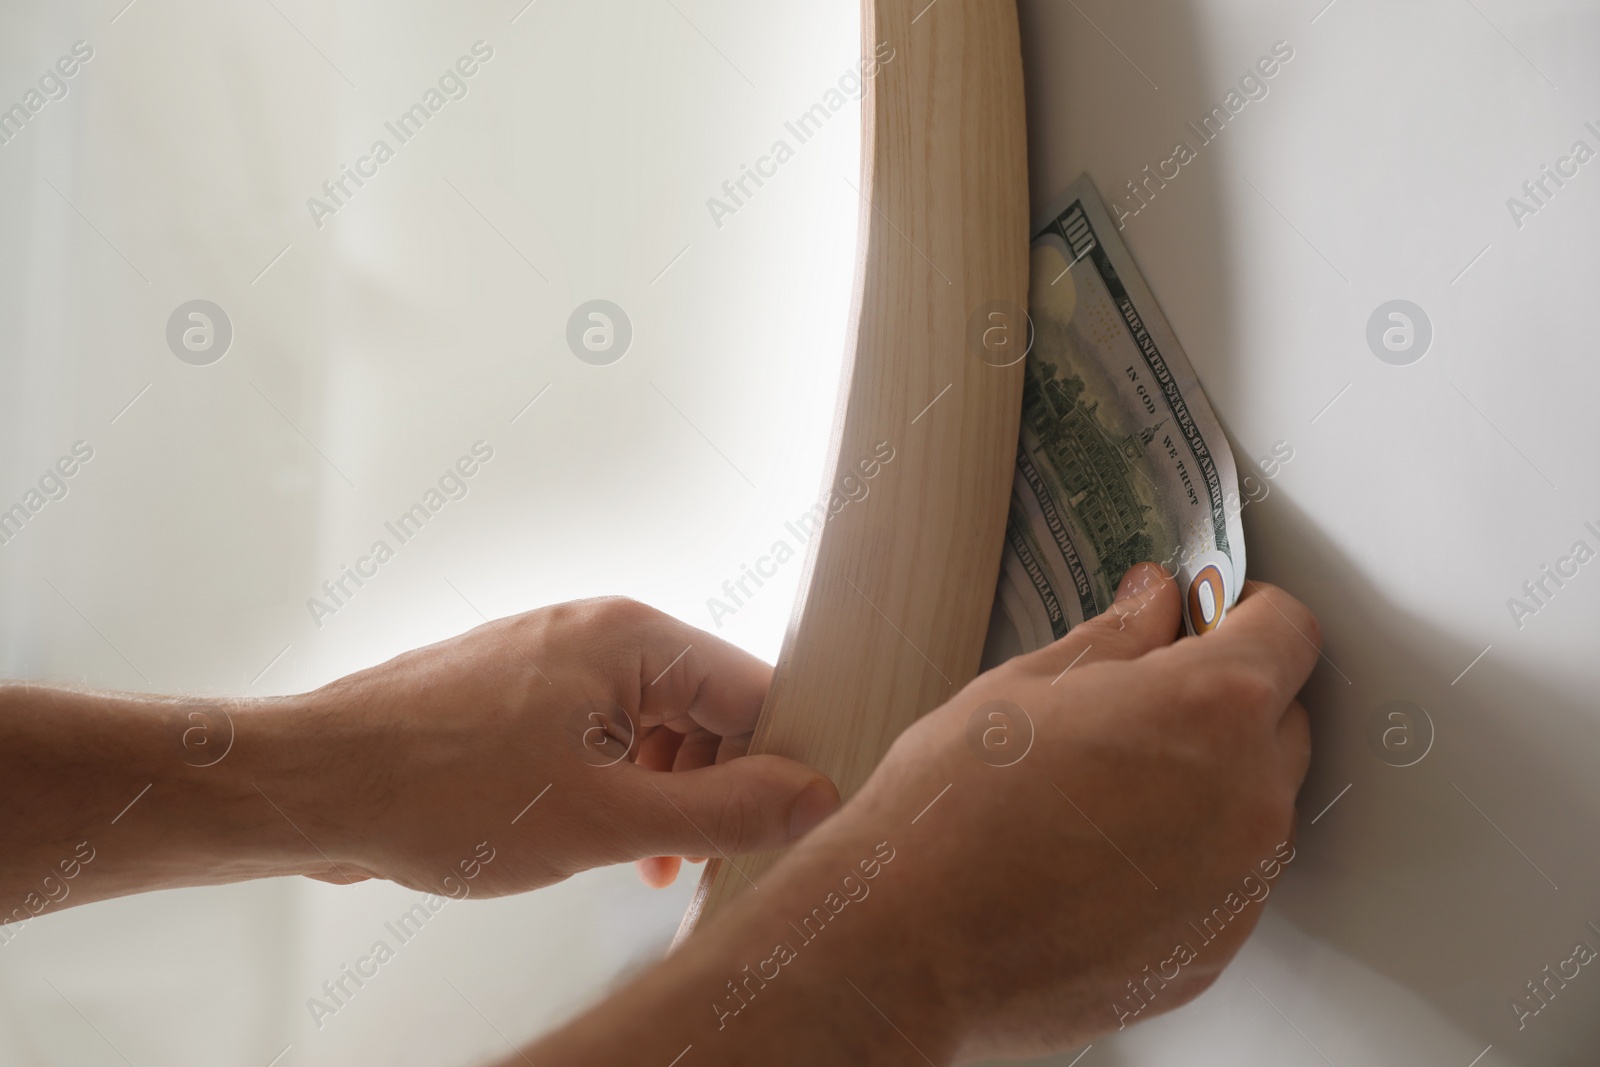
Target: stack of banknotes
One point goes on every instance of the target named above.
(1120, 459)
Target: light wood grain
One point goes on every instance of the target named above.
(895, 600)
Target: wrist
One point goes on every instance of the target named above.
(298, 784)
(240, 788)
(162, 793)
(844, 918)
(818, 965)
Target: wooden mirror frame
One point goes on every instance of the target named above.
(895, 598)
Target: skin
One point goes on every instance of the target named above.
(988, 910)
(1009, 923)
(400, 771)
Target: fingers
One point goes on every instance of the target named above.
(699, 749)
(658, 872)
(659, 748)
(1272, 635)
(747, 804)
(662, 748)
(689, 678)
(1145, 615)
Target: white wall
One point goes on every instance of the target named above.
(1417, 504)
(365, 360)
(1378, 168)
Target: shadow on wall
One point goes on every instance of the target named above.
(1467, 875)
(1408, 877)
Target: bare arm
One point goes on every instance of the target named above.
(104, 798)
(503, 760)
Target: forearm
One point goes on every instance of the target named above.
(420, 770)
(114, 794)
(783, 979)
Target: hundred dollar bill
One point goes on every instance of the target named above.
(1121, 458)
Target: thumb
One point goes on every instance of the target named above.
(1146, 615)
(744, 805)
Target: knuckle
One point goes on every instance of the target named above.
(1110, 635)
(1118, 619)
(552, 617)
(1235, 686)
(1295, 612)
(1195, 686)
(1254, 690)
(619, 611)
(601, 623)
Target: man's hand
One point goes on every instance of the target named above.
(954, 908)
(1106, 876)
(1159, 790)
(503, 760)
(624, 729)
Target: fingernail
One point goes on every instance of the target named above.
(815, 803)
